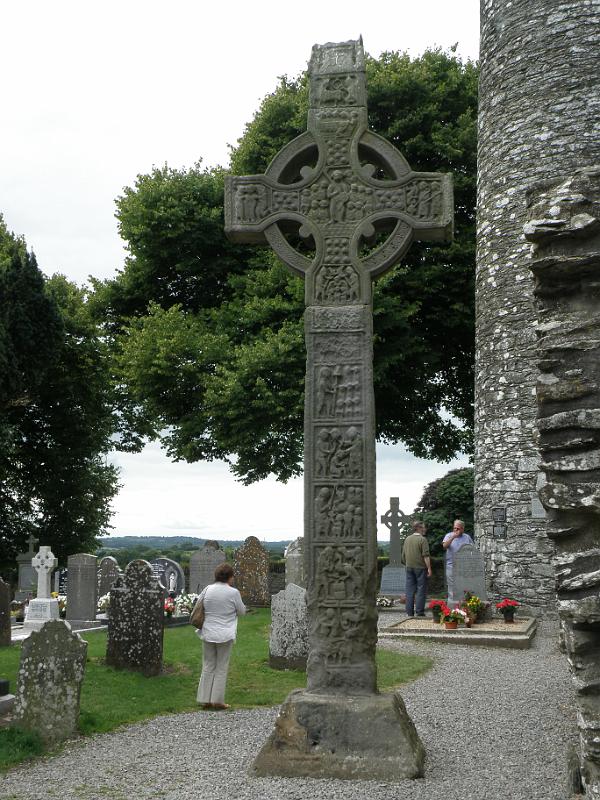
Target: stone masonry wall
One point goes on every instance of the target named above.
(539, 112)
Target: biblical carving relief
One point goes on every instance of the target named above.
(350, 318)
(337, 284)
(250, 202)
(340, 631)
(339, 453)
(421, 199)
(337, 121)
(338, 512)
(333, 348)
(338, 391)
(285, 201)
(335, 90)
(338, 573)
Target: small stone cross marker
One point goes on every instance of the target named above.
(392, 519)
(31, 542)
(44, 562)
(350, 196)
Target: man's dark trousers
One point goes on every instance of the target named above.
(416, 583)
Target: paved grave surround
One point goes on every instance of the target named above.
(108, 572)
(203, 563)
(339, 726)
(135, 623)
(251, 568)
(169, 574)
(468, 574)
(49, 681)
(43, 607)
(5, 624)
(294, 563)
(82, 589)
(288, 640)
(496, 633)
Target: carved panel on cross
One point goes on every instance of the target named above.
(338, 391)
(338, 513)
(339, 574)
(339, 452)
(335, 348)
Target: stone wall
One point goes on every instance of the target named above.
(539, 106)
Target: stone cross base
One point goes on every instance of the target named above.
(39, 611)
(360, 737)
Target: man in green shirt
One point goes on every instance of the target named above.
(415, 556)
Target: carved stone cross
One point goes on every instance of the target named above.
(44, 562)
(392, 519)
(339, 205)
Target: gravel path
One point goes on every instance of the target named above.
(495, 723)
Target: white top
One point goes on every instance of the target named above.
(222, 606)
(455, 546)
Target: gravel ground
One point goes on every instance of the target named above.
(495, 723)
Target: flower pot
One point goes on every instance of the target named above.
(509, 619)
(451, 626)
(437, 614)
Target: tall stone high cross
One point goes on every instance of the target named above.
(354, 201)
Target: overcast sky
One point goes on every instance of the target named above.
(97, 93)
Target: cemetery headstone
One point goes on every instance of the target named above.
(61, 577)
(135, 623)
(393, 581)
(358, 183)
(468, 574)
(5, 636)
(27, 578)
(49, 681)
(203, 563)
(392, 520)
(43, 607)
(108, 572)
(288, 640)
(82, 592)
(251, 566)
(169, 574)
(294, 563)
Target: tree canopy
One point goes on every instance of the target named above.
(444, 500)
(208, 335)
(56, 417)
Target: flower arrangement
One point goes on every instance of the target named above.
(453, 615)
(184, 603)
(507, 608)
(384, 602)
(169, 606)
(62, 603)
(435, 607)
(104, 603)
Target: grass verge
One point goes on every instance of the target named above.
(110, 698)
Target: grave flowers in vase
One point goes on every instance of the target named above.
(169, 606)
(474, 607)
(436, 609)
(507, 608)
(452, 618)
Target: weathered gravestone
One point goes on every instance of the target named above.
(27, 579)
(49, 681)
(43, 607)
(294, 563)
(5, 636)
(135, 623)
(203, 563)
(288, 640)
(169, 574)
(82, 589)
(468, 574)
(338, 186)
(393, 576)
(61, 580)
(251, 567)
(564, 228)
(108, 572)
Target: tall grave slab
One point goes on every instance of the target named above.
(5, 635)
(49, 682)
(43, 607)
(82, 588)
(294, 563)
(203, 563)
(135, 623)
(108, 572)
(251, 566)
(393, 576)
(468, 575)
(564, 229)
(336, 186)
(288, 639)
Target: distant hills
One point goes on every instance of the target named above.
(180, 542)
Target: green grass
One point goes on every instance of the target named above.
(110, 697)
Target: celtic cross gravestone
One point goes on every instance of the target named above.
(43, 607)
(340, 205)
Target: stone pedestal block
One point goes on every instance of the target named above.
(39, 611)
(360, 737)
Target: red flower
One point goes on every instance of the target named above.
(435, 603)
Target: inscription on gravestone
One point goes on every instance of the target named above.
(203, 564)
(336, 186)
(82, 587)
(169, 574)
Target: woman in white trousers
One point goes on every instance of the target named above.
(222, 606)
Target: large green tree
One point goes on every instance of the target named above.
(444, 500)
(209, 335)
(56, 417)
